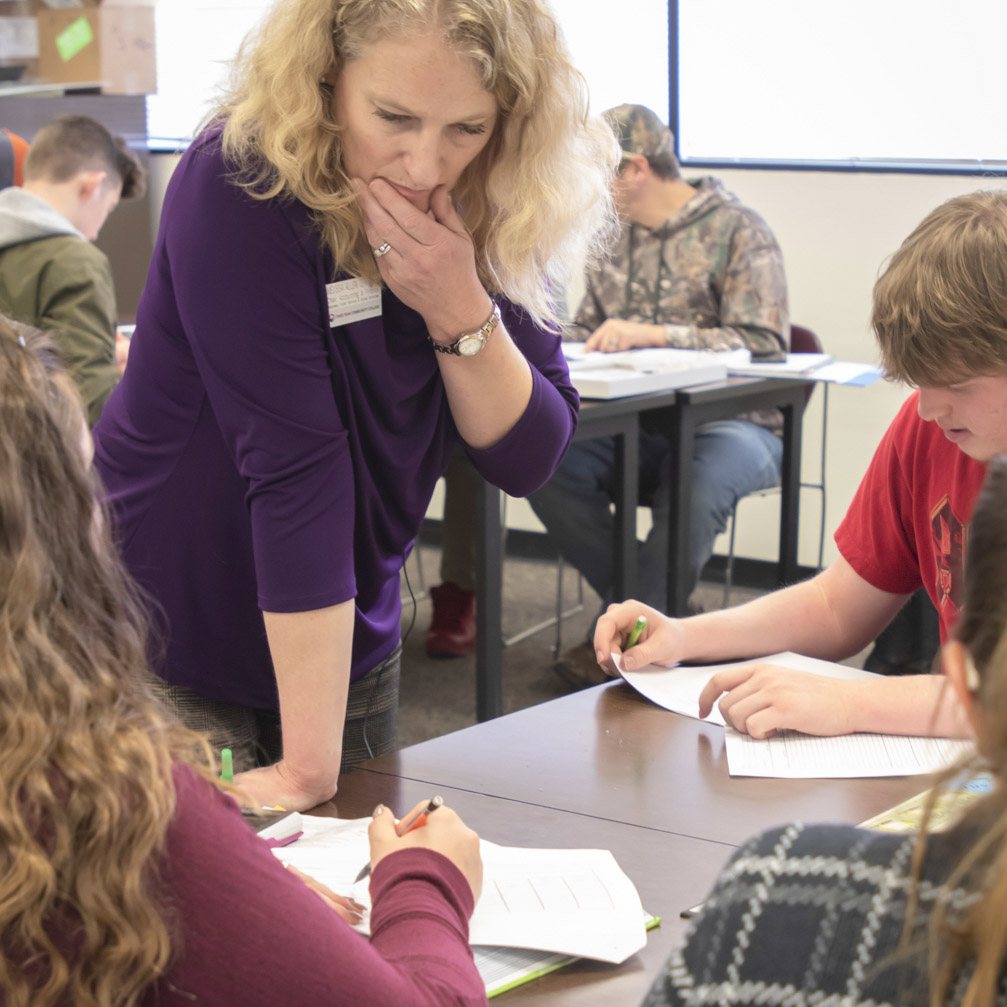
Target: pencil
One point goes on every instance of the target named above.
(641, 625)
(420, 819)
(417, 821)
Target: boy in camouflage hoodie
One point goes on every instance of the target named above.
(693, 268)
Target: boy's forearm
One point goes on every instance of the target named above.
(923, 705)
(831, 616)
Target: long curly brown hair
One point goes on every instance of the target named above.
(86, 754)
(965, 950)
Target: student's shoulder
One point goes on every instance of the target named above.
(67, 259)
(813, 865)
(822, 842)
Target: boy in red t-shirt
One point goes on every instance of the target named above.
(940, 318)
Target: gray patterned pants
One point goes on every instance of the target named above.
(254, 735)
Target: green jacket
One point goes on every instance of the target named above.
(52, 277)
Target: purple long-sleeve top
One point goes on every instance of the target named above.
(257, 458)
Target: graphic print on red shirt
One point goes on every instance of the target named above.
(950, 542)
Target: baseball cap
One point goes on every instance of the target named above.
(640, 131)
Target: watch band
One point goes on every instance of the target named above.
(469, 344)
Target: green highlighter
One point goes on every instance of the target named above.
(634, 636)
(226, 765)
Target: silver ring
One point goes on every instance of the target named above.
(383, 249)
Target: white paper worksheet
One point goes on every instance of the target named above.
(790, 754)
(577, 902)
(678, 688)
(572, 902)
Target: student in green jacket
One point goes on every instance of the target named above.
(51, 275)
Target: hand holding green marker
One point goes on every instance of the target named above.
(226, 765)
(641, 625)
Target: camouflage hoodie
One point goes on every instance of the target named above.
(712, 274)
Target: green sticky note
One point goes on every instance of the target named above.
(73, 38)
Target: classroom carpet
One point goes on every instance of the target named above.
(438, 696)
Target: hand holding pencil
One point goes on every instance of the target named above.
(652, 637)
(441, 830)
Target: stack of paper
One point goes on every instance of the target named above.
(557, 904)
(598, 375)
(811, 367)
(790, 754)
(796, 365)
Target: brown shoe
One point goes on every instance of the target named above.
(579, 668)
(452, 631)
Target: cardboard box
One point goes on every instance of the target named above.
(18, 42)
(108, 42)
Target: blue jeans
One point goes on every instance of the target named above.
(731, 458)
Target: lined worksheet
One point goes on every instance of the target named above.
(678, 688)
(791, 755)
(570, 902)
(576, 902)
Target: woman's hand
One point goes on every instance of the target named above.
(431, 265)
(662, 641)
(350, 910)
(274, 785)
(444, 832)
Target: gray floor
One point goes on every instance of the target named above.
(437, 697)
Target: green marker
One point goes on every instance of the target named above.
(226, 766)
(641, 625)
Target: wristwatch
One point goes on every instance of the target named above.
(471, 343)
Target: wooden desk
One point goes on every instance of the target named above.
(609, 753)
(670, 873)
(606, 768)
(680, 412)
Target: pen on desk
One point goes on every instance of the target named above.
(417, 821)
(226, 765)
(641, 625)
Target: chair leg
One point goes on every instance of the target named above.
(558, 647)
(420, 580)
(729, 566)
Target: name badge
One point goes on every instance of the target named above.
(352, 301)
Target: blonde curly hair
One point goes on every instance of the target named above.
(537, 198)
(86, 754)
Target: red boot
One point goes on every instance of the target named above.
(452, 631)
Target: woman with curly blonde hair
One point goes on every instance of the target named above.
(126, 877)
(353, 275)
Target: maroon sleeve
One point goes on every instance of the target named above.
(251, 933)
(876, 537)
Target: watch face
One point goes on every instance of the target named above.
(469, 346)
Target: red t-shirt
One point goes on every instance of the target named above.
(908, 523)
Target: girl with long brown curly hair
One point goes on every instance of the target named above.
(126, 877)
